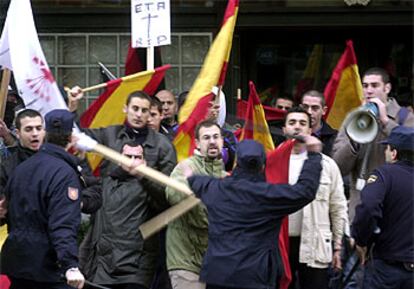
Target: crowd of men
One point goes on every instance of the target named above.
(231, 238)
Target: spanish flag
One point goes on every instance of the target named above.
(107, 108)
(277, 172)
(255, 125)
(271, 113)
(344, 90)
(212, 74)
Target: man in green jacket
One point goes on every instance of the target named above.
(187, 236)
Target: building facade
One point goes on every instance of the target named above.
(276, 43)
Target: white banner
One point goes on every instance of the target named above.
(150, 23)
(20, 51)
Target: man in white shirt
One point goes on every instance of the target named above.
(316, 231)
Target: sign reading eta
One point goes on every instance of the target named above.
(150, 23)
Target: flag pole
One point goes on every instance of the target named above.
(150, 58)
(5, 80)
(128, 77)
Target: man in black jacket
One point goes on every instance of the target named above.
(245, 215)
(314, 103)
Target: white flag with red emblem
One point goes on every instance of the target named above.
(20, 51)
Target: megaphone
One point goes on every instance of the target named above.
(361, 124)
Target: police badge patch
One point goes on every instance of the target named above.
(372, 179)
(73, 193)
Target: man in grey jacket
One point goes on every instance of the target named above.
(349, 155)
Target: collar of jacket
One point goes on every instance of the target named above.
(326, 129)
(61, 153)
(201, 158)
(149, 140)
(254, 176)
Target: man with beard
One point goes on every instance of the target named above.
(187, 235)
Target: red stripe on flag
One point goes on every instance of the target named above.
(156, 79)
(198, 115)
(133, 62)
(271, 113)
(88, 116)
(277, 171)
(231, 8)
(223, 74)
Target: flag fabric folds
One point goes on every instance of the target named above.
(255, 125)
(344, 90)
(212, 74)
(137, 58)
(277, 171)
(20, 51)
(107, 108)
(271, 113)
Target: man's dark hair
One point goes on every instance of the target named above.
(140, 94)
(314, 93)
(205, 123)
(297, 109)
(155, 101)
(58, 138)
(26, 113)
(378, 71)
(403, 155)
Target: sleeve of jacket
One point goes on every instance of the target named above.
(369, 211)
(337, 203)
(92, 194)
(166, 162)
(290, 198)
(173, 196)
(345, 152)
(64, 216)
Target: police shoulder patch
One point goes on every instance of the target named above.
(73, 193)
(372, 179)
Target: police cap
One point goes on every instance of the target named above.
(401, 137)
(59, 121)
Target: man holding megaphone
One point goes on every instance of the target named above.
(356, 149)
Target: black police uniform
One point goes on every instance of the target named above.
(43, 219)
(245, 215)
(387, 206)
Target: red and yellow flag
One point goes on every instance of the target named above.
(255, 125)
(277, 172)
(212, 74)
(271, 113)
(344, 90)
(107, 108)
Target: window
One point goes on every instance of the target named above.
(73, 59)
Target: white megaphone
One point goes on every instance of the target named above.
(361, 124)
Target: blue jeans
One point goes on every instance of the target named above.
(380, 274)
